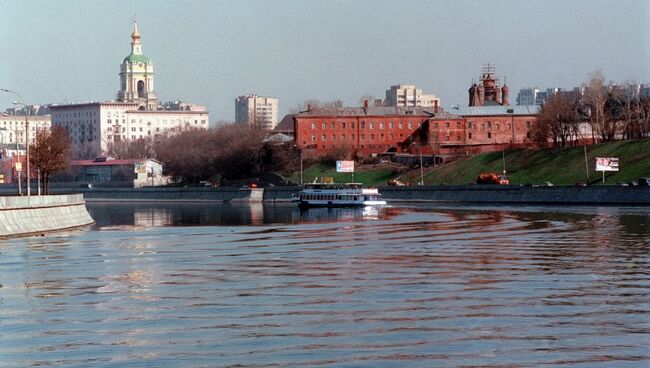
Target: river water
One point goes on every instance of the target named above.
(273, 286)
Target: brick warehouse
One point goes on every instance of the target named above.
(375, 130)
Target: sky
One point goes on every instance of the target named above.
(210, 52)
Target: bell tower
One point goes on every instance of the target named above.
(136, 76)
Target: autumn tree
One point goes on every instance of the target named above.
(558, 120)
(50, 153)
(595, 98)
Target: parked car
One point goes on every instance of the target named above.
(622, 184)
(633, 183)
(581, 184)
(547, 184)
(645, 182)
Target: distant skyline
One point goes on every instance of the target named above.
(210, 52)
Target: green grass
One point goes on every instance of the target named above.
(561, 166)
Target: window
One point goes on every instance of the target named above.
(447, 138)
(528, 124)
(496, 126)
(392, 125)
(489, 135)
(363, 125)
(381, 125)
(469, 135)
(372, 137)
(362, 136)
(343, 125)
(447, 124)
(313, 138)
(324, 126)
(323, 138)
(313, 125)
(353, 125)
(372, 125)
(333, 137)
(410, 125)
(401, 125)
(458, 124)
(489, 125)
(343, 137)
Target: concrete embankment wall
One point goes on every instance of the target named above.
(37, 214)
(437, 193)
(516, 194)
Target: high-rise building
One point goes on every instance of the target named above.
(258, 111)
(403, 95)
(527, 96)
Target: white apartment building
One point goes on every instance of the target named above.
(93, 126)
(409, 95)
(12, 128)
(256, 110)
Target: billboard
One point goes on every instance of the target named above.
(606, 163)
(344, 166)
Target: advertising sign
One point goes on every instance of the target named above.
(606, 163)
(345, 166)
(19, 166)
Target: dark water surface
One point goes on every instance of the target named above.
(219, 286)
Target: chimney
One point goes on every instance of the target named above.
(365, 104)
(435, 106)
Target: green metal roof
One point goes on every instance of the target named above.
(134, 59)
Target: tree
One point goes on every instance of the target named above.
(558, 120)
(595, 98)
(50, 153)
(129, 149)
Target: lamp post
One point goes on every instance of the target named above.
(26, 137)
(421, 169)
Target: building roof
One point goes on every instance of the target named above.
(134, 59)
(278, 138)
(286, 124)
(493, 110)
(130, 161)
(377, 111)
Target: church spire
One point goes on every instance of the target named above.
(136, 47)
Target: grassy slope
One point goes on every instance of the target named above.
(561, 166)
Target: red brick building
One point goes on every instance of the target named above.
(375, 130)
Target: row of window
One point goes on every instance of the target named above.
(391, 125)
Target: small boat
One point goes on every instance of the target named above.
(337, 195)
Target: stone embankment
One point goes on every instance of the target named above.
(512, 194)
(38, 214)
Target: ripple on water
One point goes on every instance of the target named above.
(421, 287)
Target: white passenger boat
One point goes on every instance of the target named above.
(337, 195)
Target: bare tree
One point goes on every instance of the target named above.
(558, 120)
(50, 153)
(595, 98)
(128, 149)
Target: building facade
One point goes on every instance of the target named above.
(403, 95)
(12, 127)
(92, 127)
(376, 130)
(257, 111)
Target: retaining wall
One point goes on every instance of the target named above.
(37, 214)
(516, 194)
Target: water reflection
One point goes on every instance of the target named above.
(201, 214)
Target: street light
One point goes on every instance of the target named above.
(421, 169)
(26, 137)
(296, 146)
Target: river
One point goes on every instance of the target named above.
(201, 285)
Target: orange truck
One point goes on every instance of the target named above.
(492, 178)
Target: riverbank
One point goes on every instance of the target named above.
(511, 194)
(39, 214)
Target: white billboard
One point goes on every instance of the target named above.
(606, 163)
(345, 166)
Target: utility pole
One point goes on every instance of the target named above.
(586, 163)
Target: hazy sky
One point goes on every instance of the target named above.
(209, 52)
